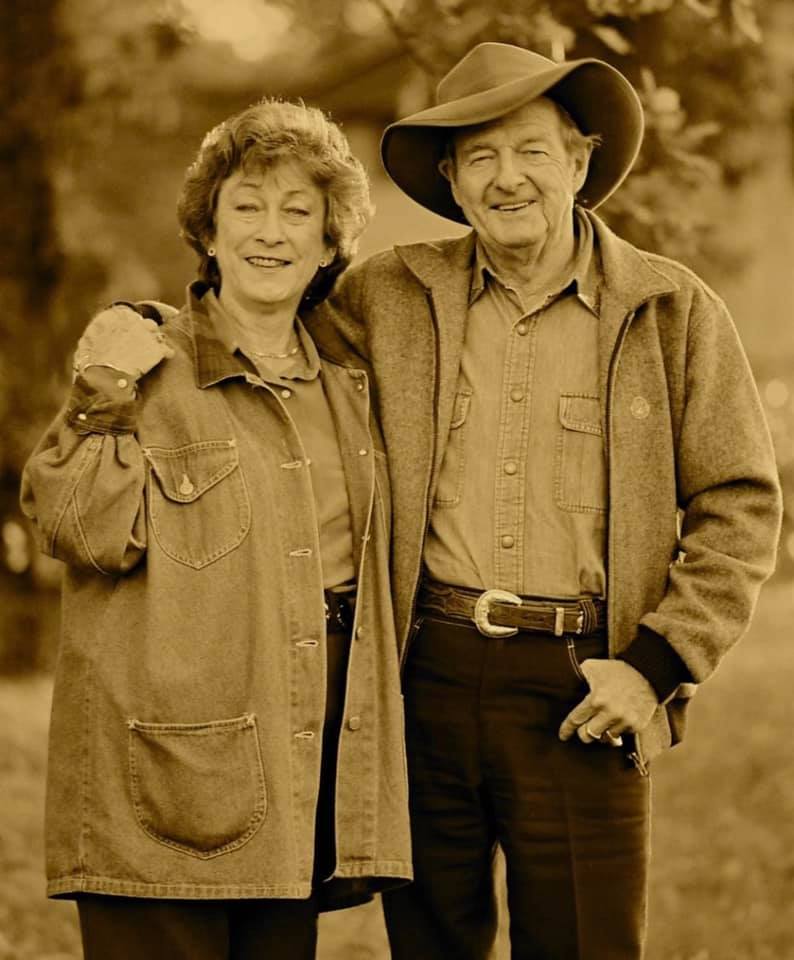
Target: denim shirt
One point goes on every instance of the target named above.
(190, 687)
(521, 500)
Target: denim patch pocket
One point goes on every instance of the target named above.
(450, 481)
(580, 478)
(198, 504)
(198, 788)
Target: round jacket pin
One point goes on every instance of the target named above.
(640, 408)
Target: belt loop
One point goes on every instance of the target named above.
(589, 617)
(559, 621)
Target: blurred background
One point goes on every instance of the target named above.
(105, 102)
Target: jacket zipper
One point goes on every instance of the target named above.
(428, 506)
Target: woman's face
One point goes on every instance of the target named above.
(269, 237)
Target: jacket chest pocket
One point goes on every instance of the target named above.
(197, 501)
(580, 479)
(453, 467)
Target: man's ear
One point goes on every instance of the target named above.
(446, 167)
(581, 165)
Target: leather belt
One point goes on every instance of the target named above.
(499, 613)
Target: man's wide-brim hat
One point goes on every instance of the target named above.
(494, 79)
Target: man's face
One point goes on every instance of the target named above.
(516, 179)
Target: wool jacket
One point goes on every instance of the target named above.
(189, 697)
(694, 498)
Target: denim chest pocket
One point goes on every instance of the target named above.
(198, 504)
(198, 788)
(580, 478)
(453, 468)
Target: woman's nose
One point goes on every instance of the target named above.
(270, 229)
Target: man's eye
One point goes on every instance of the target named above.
(534, 152)
(479, 159)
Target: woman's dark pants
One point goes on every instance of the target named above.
(486, 767)
(128, 928)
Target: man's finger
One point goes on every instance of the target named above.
(580, 714)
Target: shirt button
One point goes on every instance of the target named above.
(511, 467)
(508, 541)
(286, 393)
(362, 452)
(122, 383)
(354, 723)
(359, 633)
(359, 386)
(82, 416)
(516, 395)
(522, 329)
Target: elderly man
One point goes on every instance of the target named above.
(585, 506)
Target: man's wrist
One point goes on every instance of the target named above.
(652, 656)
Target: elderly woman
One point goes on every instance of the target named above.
(224, 761)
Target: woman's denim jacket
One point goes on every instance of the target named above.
(190, 687)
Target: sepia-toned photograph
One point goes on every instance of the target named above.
(397, 462)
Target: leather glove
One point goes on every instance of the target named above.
(123, 340)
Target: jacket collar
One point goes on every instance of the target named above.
(629, 277)
(216, 354)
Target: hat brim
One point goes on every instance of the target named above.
(599, 99)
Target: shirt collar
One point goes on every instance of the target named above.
(218, 351)
(584, 279)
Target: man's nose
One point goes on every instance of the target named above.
(508, 176)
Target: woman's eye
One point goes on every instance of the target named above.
(297, 212)
(245, 207)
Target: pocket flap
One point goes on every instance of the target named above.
(581, 412)
(185, 473)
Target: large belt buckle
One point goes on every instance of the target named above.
(482, 608)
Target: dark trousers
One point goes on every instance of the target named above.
(125, 928)
(486, 767)
(128, 928)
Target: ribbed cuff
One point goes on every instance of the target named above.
(656, 660)
(103, 401)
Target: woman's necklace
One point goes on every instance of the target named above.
(262, 355)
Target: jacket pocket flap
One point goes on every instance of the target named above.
(185, 473)
(581, 412)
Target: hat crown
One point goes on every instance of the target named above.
(489, 65)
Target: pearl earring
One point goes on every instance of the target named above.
(323, 263)
(210, 251)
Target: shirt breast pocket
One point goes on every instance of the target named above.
(580, 476)
(453, 467)
(198, 504)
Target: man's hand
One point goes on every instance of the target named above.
(620, 700)
(123, 340)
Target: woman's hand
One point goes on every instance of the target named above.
(123, 340)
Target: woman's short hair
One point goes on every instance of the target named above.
(264, 134)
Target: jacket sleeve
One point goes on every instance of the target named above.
(83, 486)
(728, 494)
